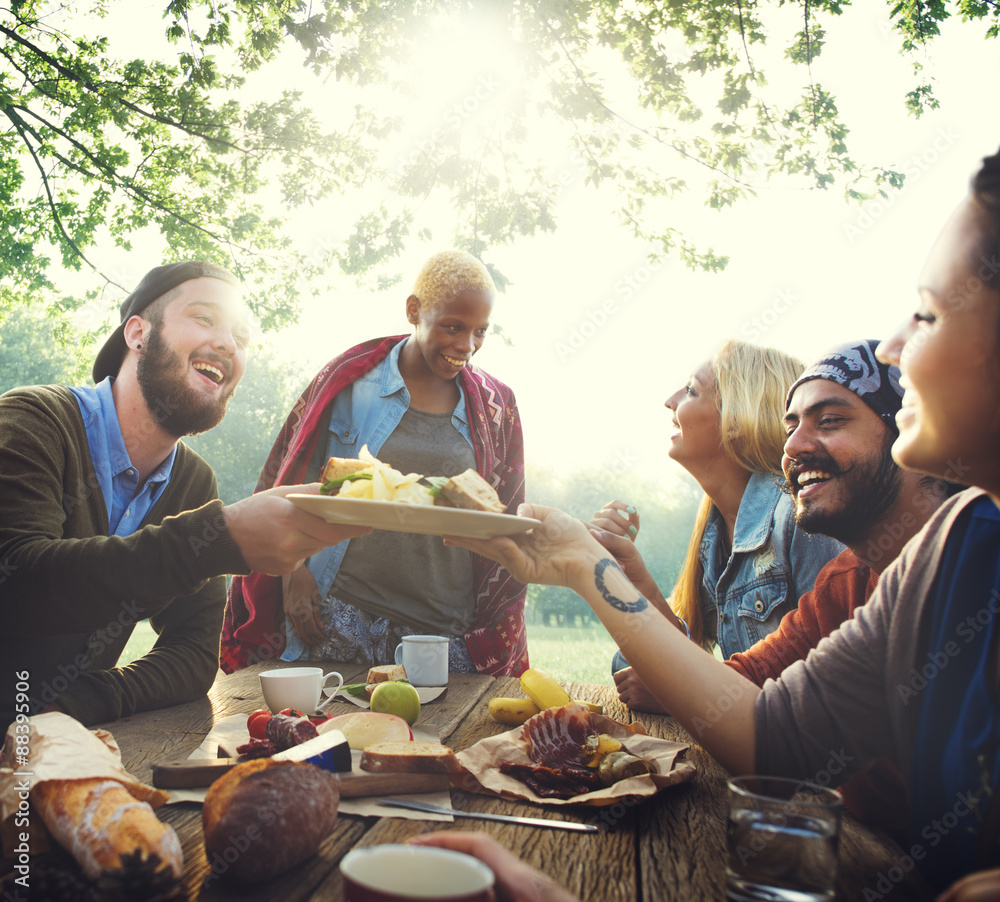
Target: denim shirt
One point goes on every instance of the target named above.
(127, 502)
(364, 414)
(772, 564)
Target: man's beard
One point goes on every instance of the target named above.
(178, 408)
(872, 488)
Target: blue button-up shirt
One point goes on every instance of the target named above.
(126, 501)
(366, 413)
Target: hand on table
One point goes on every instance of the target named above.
(632, 693)
(302, 603)
(981, 886)
(551, 554)
(275, 536)
(516, 881)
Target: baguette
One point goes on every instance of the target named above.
(265, 816)
(385, 673)
(98, 820)
(413, 757)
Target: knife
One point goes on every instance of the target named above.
(486, 816)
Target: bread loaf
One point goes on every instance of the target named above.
(265, 816)
(412, 757)
(99, 820)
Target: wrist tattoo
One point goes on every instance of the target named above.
(628, 607)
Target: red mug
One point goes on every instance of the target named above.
(400, 873)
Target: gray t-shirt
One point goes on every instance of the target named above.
(411, 579)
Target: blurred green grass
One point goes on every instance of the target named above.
(567, 653)
(572, 654)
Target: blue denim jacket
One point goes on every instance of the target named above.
(773, 563)
(365, 414)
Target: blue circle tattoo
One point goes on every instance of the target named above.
(629, 607)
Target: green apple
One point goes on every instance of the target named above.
(396, 697)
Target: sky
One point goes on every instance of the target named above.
(598, 337)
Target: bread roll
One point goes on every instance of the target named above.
(99, 820)
(411, 757)
(265, 816)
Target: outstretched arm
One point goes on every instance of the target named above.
(616, 527)
(692, 685)
(274, 536)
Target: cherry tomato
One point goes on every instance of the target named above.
(257, 724)
(315, 719)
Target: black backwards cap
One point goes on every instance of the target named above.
(156, 283)
(856, 367)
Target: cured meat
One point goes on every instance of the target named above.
(257, 748)
(285, 731)
(556, 736)
(551, 782)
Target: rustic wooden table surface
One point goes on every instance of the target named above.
(669, 848)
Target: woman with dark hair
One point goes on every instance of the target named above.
(916, 673)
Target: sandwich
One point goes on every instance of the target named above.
(341, 470)
(367, 477)
(469, 491)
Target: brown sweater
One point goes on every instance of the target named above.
(846, 703)
(70, 594)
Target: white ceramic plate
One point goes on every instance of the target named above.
(416, 518)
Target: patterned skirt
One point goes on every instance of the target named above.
(352, 635)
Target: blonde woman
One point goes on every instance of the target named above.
(747, 563)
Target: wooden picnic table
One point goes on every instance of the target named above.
(670, 847)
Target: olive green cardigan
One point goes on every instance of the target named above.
(70, 594)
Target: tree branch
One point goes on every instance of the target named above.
(113, 179)
(18, 123)
(95, 89)
(616, 115)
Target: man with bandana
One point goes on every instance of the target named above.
(107, 519)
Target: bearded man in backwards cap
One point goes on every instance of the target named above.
(107, 519)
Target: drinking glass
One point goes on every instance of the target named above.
(782, 840)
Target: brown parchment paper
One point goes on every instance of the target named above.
(480, 767)
(61, 748)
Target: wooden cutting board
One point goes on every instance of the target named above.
(194, 772)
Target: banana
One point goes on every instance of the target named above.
(594, 707)
(512, 710)
(543, 690)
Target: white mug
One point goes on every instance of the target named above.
(390, 873)
(425, 659)
(296, 687)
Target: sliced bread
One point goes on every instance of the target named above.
(413, 757)
(386, 672)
